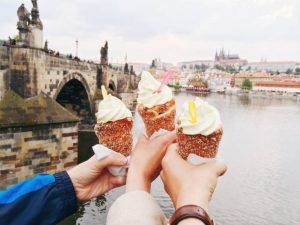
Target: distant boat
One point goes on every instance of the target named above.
(197, 89)
(221, 91)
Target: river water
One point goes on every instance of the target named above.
(261, 146)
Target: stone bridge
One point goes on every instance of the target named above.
(37, 135)
(28, 68)
(75, 84)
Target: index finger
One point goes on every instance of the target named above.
(167, 139)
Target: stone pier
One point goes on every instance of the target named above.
(36, 136)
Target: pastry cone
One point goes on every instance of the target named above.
(157, 108)
(199, 130)
(116, 135)
(204, 146)
(158, 117)
(114, 125)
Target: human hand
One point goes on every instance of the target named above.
(189, 184)
(145, 162)
(91, 178)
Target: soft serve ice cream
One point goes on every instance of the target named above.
(208, 119)
(203, 136)
(114, 125)
(157, 109)
(147, 91)
(112, 109)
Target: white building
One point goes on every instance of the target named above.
(192, 64)
(274, 66)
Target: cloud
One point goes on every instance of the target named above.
(174, 30)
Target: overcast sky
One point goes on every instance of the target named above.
(174, 30)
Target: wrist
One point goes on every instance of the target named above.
(190, 198)
(66, 192)
(75, 183)
(136, 181)
(191, 221)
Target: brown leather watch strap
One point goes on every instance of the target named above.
(190, 211)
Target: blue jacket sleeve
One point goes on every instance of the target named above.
(44, 199)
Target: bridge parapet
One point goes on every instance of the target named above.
(30, 71)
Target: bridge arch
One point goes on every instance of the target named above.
(73, 93)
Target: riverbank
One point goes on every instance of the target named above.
(253, 93)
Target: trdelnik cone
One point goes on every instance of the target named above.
(114, 124)
(156, 104)
(199, 129)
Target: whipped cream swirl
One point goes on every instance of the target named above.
(208, 119)
(112, 109)
(147, 94)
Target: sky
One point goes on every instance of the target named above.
(172, 30)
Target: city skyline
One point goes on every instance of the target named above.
(173, 31)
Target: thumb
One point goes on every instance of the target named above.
(142, 140)
(117, 181)
(218, 167)
(172, 160)
(166, 140)
(111, 160)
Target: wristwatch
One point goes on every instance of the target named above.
(190, 211)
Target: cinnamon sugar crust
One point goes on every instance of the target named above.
(204, 146)
(158, 117)
(116, 135)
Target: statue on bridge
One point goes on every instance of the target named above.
(23, 26)
(104, 54)
(34, 3)
(35, 14)
(24, 17)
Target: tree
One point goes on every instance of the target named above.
(197, 67)
(17, 37)
(246, 85)
(203, 67)
(230, 69)
(177, 86)
(289, 71)
(219, 67)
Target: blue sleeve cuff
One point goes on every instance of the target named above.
(68, 196)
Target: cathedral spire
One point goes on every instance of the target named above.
(216, 56)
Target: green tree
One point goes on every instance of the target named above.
(289, 71)
(17, 37)
(246, 85)
(177, 86)
(203, 67)
(197, 67)
(219, 67)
